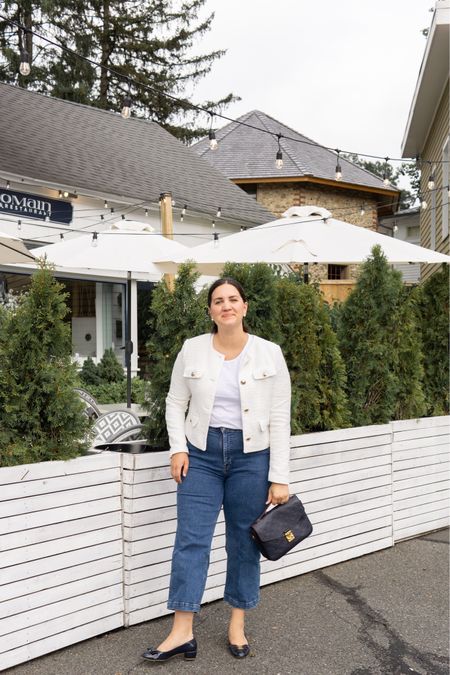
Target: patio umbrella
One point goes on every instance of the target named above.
(304, 235)
(115, 249)
(128, 246)
(13, 250)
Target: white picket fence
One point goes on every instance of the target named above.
(85, 545)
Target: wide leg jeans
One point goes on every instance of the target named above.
(220, 475)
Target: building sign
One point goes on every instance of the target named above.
(24, 205)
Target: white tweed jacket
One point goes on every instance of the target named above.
(265, 389)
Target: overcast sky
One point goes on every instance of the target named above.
(342, 72)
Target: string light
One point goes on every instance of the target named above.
(61, 235)
(146, 212)
(431, 182)
(219, 212)
(385, 172)
(25, 65)
(94, 242)
(279, 155)
(362, 211)
(423, 203)
(105, 204)
(185, 103)
(60, 194)
(126, 105)
(8, 184)
(183, 213)
(19, 224)
(338, 170)
(111, 209)
(212, 135)
(102, 217)
(123, 216)
(216, 240)
(213, 224)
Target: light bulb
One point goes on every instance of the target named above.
(60, 194)
(338, 172)
(24, 68)
(8, 184)
(279, 160)
(61, 235)
(19, 224)
(94, 241)
(126, 108)
(395, 228)
(146, 212)
(219, 212)
(385, 180)
(216, 240)
(431, 184)
(213, 224)
(424, 204)
(183, 212)
(212, 140)
(362, 212)
(65, 194)
(105, 204)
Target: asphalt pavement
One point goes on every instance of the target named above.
(386, 613)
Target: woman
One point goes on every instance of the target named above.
(238, 389)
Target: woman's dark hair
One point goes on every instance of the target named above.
(232, 282)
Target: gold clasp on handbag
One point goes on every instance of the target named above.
(289, 535)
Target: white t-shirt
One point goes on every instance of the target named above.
(226, 410)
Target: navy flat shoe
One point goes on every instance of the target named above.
(239, 651)
(188, 649)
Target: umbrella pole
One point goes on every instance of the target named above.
(128, 342)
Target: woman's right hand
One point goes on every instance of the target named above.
(179, 465)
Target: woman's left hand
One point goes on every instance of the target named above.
(278, 493)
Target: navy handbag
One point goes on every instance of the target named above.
(280, 528)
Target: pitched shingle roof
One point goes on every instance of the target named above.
(71, 144)
(244, 152)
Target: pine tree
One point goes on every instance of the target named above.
(40, 414)
(408, 364)
(109, 368)
(310, 349)
(175, 316)
(434, 323)
(259, 283)
(366, 329)
(89, 373)
(150, 42)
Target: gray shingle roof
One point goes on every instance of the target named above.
(247, 153)
(76, 145)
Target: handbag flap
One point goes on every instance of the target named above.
(274, 523)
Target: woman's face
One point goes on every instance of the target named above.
(227, 307)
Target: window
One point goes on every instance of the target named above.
(445, 188)
(413, 232)
(337, 272)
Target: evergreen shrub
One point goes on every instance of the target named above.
(433, 309)
(41, 416)
(174, 317)
(313, 359)
(380, 347)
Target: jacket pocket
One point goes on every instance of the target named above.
(263, 425)
(193, 373)
(264, 372)
(193, 419)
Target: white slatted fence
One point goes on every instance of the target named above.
(61, 554)
(421, 478)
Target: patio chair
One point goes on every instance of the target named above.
(91, 408)
(133, 433)
(110, 425)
